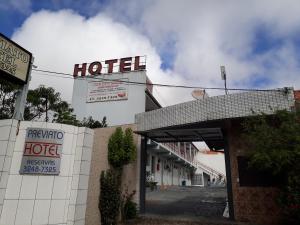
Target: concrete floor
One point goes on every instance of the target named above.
(185, 202)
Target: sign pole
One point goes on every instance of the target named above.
(21, 98)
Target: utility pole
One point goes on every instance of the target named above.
(21, 98)
(223, 76)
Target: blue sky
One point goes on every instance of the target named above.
(185, 42)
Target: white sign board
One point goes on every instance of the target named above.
(14, 60)
(102, 91)
(42, 151)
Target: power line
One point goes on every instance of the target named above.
(70, 76)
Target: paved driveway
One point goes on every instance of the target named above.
(187, 202)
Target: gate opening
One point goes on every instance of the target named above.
(185, 179)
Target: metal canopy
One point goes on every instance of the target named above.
(213, 137)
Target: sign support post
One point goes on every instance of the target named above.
(21, 98)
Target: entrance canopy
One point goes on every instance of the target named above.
(202, 120)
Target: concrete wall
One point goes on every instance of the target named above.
(44, 199)
(117, 112)
(131, 173)
(251, 204)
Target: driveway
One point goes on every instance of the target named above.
(187, 202)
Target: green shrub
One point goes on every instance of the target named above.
(129, 147)
(116, 149)
(274, 142)
(121, 148)
(121, 151)
(129, 208)
(110, 197)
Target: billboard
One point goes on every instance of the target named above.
(14, 61)
(42, 151)
(102, 91)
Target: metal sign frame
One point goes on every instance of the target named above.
(42, 151)
(11, 77)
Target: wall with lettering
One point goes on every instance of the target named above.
(33, 190)
(118, 102)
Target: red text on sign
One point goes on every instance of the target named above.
(41, 149)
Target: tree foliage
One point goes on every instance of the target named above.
(121, 149)
(275, 141)
(129, 147)
(8, 94)
(43, 104)
(91, 123)
(128, 206)
(64, 114)
(116, 151)
(110, 197)
(275, 147)
(41, 101)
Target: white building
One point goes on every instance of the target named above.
(118, 97)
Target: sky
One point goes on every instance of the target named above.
(185, 42)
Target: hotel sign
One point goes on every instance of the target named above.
(14, 61)
(42, 151)
(110, 66)
(102, 91)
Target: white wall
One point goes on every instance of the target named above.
(215, 161)
(44, 199)
(117, 112)
(168, 177)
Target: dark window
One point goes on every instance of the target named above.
(252, 177)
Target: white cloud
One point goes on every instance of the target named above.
(58, 40)
(207, 34)
(214, 33)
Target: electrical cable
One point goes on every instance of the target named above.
(70, 76)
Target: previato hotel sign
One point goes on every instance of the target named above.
(42, 151)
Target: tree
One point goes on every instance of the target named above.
(91, 123)
(8, 94)
(275, 147)
(121, 151)
(129, 147)
(116, 153)
(40, 101)
(121, 148)
(43, 103)
(110, 197)
(64, 114)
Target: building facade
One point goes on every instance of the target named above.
(119, 97)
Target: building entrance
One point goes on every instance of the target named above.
(218, 122)
(175, 182)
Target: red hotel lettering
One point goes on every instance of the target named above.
(41, 149)
(96, 67)
(137, 65)
(125, 64)
(110, 64)
(77, 70)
